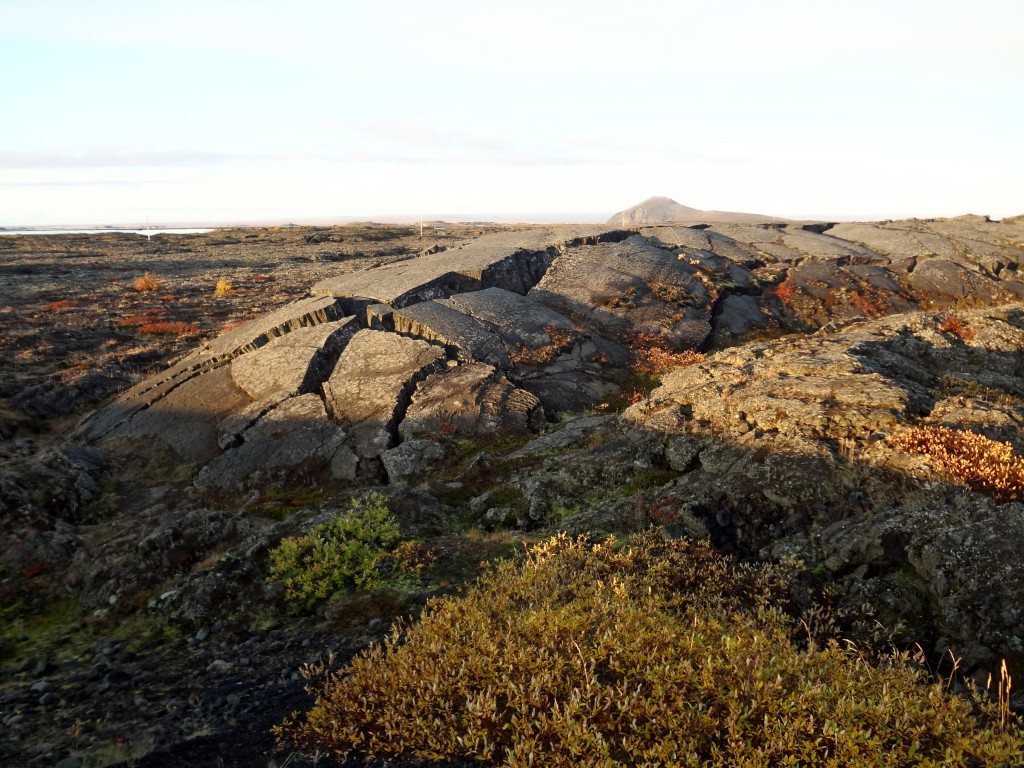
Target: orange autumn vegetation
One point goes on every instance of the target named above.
(562, 340)
(651, 353)
(63, 304)
(958, 327)
(988, 466)
(147, 283)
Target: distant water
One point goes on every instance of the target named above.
(102, 231)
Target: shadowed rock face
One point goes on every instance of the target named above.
(496, 333)
(786, 441)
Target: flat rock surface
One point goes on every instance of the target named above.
(186, 419)
(292, 362)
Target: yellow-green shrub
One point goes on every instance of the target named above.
(341, 554)
(659, 653)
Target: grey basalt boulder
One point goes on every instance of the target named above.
(411, 459)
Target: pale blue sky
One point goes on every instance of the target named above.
(199, 111)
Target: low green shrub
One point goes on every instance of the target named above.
(342, 554)
(660, 652)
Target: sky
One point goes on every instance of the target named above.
(205, 111)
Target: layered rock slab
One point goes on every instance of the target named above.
(295, 437)
(254, 334)
(440, 321)
(113, 419)
(514, 261)
(297, 361)
(187, 418)
(371, 385)
(471, 399)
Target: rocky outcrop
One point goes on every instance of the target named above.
(783, 449)
(476, 335)
(369, 389)
(453, 383)
(513, 261)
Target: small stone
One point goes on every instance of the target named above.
(202, 634)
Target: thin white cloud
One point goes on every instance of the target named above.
(103, 158)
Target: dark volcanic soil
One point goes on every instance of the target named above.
(74, 328)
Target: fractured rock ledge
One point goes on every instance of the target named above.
(370, 387)
(477, 335)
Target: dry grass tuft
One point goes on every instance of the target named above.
(147, 283)
(958, 327)
(868, 306)
(988, 466)
(651, 353)
(562, 340)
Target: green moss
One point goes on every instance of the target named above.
(647, 480)
(34, 632)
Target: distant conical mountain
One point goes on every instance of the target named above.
(659, 210)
